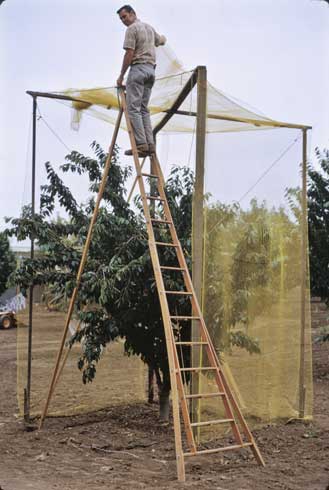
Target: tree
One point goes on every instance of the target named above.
(318, 222)
(7, 262)
(118, 276)
(118, 295)
(251, 262)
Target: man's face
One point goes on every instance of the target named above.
(127, 17)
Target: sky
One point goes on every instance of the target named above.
(271, 54)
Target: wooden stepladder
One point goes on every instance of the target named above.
(233, 416)
(180, 399)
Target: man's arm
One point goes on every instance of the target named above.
(158, 39)
(127, 59)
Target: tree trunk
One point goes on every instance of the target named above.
(164, 398)
(150, 384)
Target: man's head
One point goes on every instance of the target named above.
(127, 14)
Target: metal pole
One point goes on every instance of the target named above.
(302, 387)
(27, 394)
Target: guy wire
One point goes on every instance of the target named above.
(52, 130)
(263, 175)
(270, 167)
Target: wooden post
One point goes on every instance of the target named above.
(198, 225)
(302, 387)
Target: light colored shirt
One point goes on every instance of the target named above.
(143, 39)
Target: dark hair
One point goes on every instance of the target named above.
(128, 8)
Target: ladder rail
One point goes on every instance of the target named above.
(195, 304)
(56, 372)
(163, 304)
(237, 410)
(178, 393)
(197, 311)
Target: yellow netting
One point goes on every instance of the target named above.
(120, 379)
(103, 103)
(253, 276)
(252, 267)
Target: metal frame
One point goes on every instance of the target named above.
(199, 77)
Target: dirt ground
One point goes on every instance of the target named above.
(125, 447)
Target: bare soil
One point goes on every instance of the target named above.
(126, 447)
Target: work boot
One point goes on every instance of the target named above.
(143, 150)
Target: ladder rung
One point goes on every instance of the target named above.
(212, 422)
(192, 343)
(154, 198)
(184, 293)
(197, 369)
(169, 268)
(167, 244)
(206, 395)
(164, 221)
(186, 317)
(219, 449)
(152, 176)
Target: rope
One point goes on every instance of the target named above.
(192, 141)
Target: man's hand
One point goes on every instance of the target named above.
(120, 81)
(127, 59)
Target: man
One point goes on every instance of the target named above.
(139, 44)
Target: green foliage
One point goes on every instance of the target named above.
(250, 261)
(318, 222)
(7, 262)
(118, 276)
(117, 296)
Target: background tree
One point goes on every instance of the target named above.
(251, 263)
(318, 229)
(7, 262)
(318, 222)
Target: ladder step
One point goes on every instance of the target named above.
(184, 293)
(206, 395)
(162, 221)
(185, 317)
(197, 369)
(154, 198)
(168, 268)
(192, 343)
(212, 422)
(152, 176)
(219, 449)
(164, 244)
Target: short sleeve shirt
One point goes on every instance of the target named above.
(143, 39)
